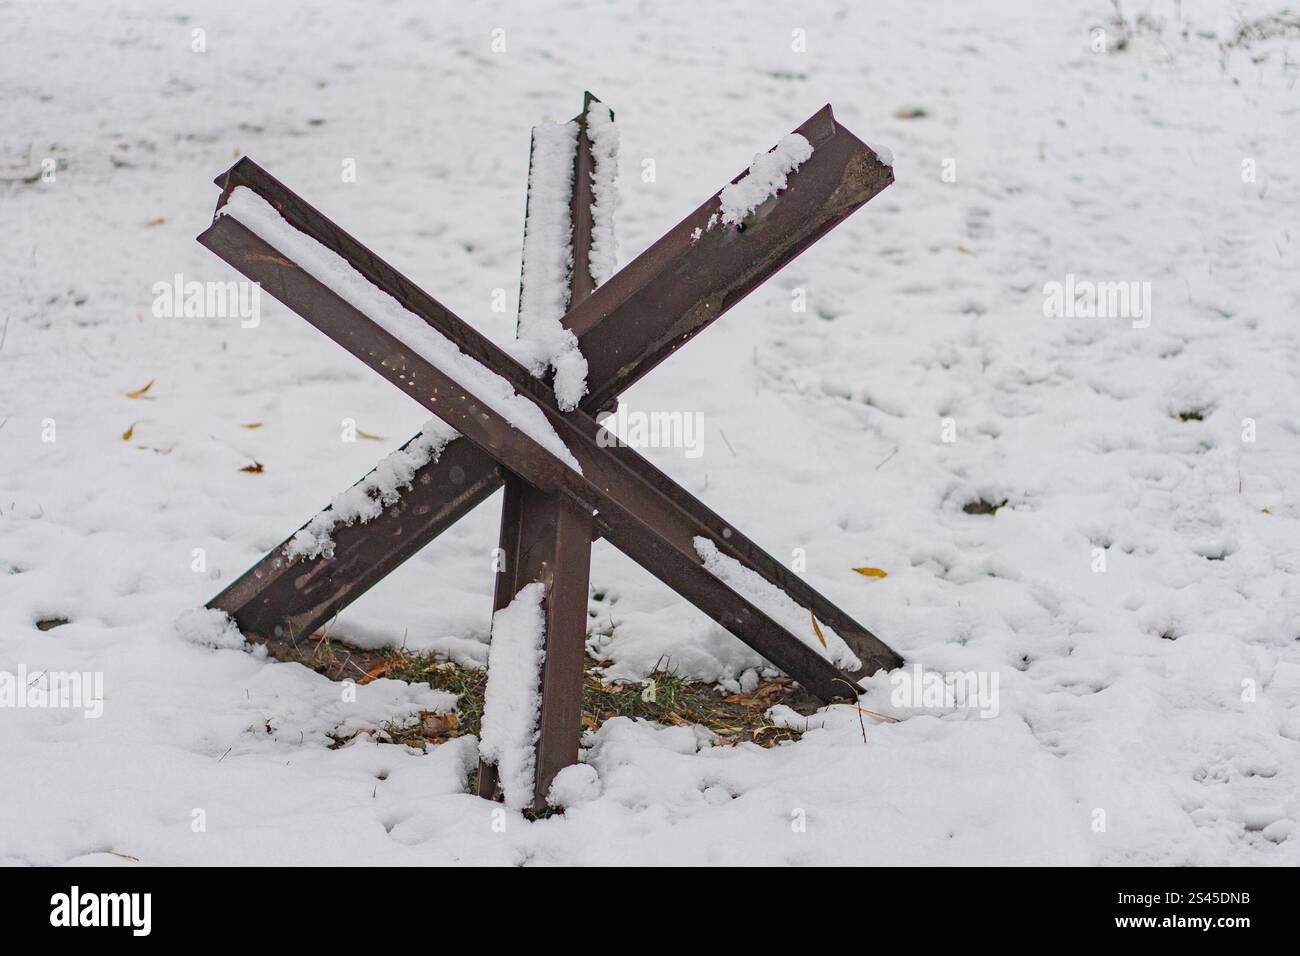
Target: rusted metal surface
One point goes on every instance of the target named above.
(545, 538)
(581, 284)
(680, 285)
(656, 303)
(280, 602)
(870, 649)
(635, 515)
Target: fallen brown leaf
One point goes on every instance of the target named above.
(254, 469)
(437, 725)
(379, 670)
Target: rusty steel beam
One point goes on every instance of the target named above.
(874, 653)
(675, 289)
(634, 515)
(669, 293)
(545, 538)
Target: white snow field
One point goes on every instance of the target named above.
(1146, 713)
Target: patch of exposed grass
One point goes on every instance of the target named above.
(668, 698)
(665, 698)
(335, 660)
(982, 507)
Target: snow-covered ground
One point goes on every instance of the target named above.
(1147, 713)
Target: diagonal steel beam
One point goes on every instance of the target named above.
(633, 514)
(668, 294)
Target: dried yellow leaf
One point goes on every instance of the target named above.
(871, 572)
(369, 437)
(126, 435)
(817, 630)
(139, 392)
(252, 425)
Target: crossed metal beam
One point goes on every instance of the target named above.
(551, 513)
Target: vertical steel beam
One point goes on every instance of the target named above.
(547, 538)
